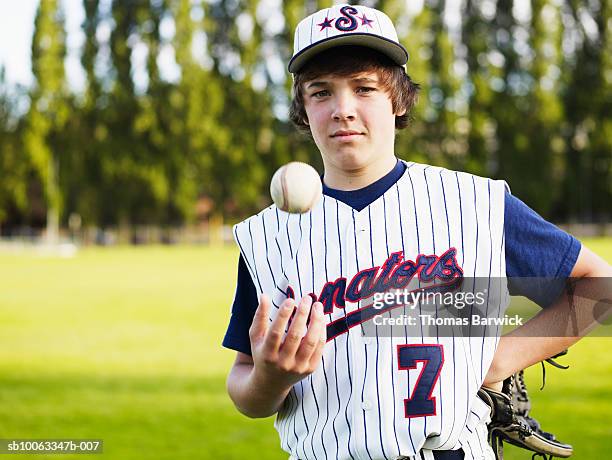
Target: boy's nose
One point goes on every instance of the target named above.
(344, 108)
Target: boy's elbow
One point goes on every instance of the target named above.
(251, 413)
(234, 394)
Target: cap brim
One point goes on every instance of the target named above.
(396, 52)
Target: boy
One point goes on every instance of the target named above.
(382, 223)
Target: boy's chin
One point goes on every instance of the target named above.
(350, 159)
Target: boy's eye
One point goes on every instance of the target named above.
(365, 89)
(321, 93)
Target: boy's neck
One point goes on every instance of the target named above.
(339, 179)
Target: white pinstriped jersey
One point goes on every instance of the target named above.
(354, 405)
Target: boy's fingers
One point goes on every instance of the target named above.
(314, 337)
(315, 359)
(260, 319)
(297, 329)
(274, 336)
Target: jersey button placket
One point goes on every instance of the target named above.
(364, 243)
(366, 404)
(364, 253)
(357, 358)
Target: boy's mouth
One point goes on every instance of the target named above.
(346, 133)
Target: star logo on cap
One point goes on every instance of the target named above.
(365, 21)
(325, 24)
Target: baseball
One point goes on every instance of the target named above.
(296, 187)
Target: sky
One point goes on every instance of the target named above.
(16, 30)
(15, 39)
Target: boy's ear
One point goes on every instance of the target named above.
(401, 113)
(305, 120)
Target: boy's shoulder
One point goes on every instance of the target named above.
(449, 174)
(258, 229)
(270, 213)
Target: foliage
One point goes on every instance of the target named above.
(44, 138)
(13, 167)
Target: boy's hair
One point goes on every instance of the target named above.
(343, 61)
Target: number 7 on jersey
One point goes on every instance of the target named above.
(421, 403)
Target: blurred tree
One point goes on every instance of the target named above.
(412, 142)
(433, 67)
(120, 145)
(140, 188)
(587, 101)
(509, 107)
(538, 132)
(289, 143)
(13, 166)
(197, 103)
(90, 25)
(444, 95)
(154, 127)
(85, 188)
(49, 111)
(475, 38)
(238, 171)
(395, 9)
(525, 103)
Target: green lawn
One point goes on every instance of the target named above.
(123, 344)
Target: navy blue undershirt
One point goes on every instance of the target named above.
(359, 199)
(534, 248)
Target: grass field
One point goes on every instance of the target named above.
(123, 345)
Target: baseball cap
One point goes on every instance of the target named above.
(345, 25)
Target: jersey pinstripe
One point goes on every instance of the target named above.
(353, 406)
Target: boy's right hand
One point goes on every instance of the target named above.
(279, 360)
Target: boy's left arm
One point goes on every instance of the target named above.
(557, 327)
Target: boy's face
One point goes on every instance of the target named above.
(351, 120)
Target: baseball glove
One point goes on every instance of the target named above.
(511, 422)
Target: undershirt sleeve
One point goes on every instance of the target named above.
(539, 255)
(243, 310)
